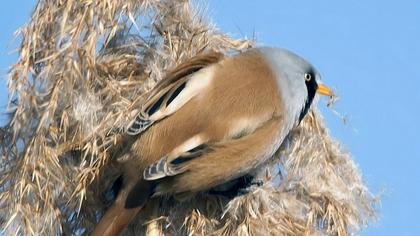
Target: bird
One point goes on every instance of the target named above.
(212, 119)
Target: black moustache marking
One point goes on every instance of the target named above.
(311, 86)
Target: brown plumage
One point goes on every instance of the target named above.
(213, 119)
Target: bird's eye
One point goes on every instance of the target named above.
(308, 77)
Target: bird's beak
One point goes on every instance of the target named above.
(324, 90)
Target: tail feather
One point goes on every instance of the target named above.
(124, 209)
(115, 220)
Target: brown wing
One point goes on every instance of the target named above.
(168, 92)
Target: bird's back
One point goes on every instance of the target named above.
(237, 99)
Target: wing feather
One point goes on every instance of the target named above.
(169, 91)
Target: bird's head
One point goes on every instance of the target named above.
(298, 81)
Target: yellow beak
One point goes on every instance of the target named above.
(324, 90)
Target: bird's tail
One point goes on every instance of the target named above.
(124, 209)
(115, 220)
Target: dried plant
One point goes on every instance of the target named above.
(83, 69)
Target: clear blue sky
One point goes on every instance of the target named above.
(369, 51)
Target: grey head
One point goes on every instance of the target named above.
(297, 80)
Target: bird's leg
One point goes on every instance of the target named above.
(247, 189)
(237, 187)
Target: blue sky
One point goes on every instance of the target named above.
(368, 51)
